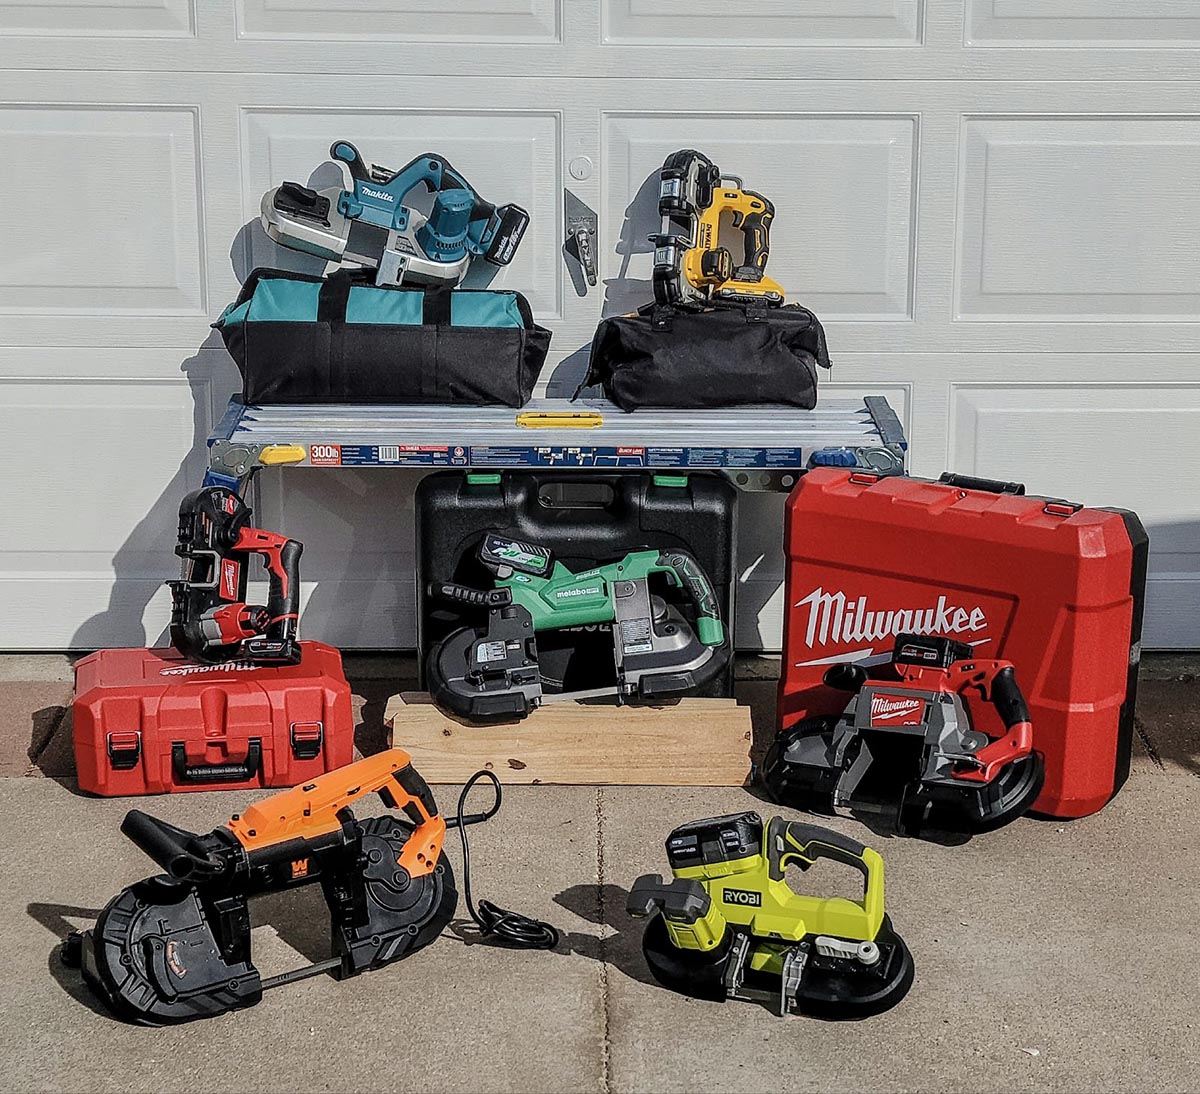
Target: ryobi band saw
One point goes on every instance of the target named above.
(492, 671)
(691, 264)
(729, 926)
(369, 222)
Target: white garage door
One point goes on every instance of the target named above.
(993, 204)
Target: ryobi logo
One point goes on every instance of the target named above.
(382, 195)
(743, 896)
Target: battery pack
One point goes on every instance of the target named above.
(1050, 585)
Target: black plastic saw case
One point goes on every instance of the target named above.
(585, 518)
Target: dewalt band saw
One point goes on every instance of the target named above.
(729, 926)
(492, 671)
(369, 223)
(691, 264)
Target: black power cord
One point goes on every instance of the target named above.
(511, 928)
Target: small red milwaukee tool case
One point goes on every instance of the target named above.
(1047, 584)
(153, 722)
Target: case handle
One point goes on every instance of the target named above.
(970, 482)
(216, 773)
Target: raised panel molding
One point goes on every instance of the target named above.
(110, 19)
(130, 240)
(402, 20)
(1064, 218)
(512, 156)
(765, 23)
(1084, 442)
(1114, 23)
(842, 244)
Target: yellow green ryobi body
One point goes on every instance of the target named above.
(658, 651)
(728, 926)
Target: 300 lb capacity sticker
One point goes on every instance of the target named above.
(325, 455)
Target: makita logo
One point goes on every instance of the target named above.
(192, 670)
(834, 618)
(382, 195)
(886, 708)
(743, 896)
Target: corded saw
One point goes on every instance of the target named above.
(369, 223)
(491, 671)
(691, 264)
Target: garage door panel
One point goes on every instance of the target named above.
(112, 19)
(1069, 217)
(1112, 444)
(773, 22)
(1094, 22)
(510, 155)
(842, 238)
(113, 254)
(401, 20)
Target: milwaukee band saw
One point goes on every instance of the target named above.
(369, 222)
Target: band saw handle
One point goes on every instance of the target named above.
(1008, 699)
(281, 557)
(174, 849)
(345, 152)
(756, 232)
(320, 807)
(795, 841)
(690, 576)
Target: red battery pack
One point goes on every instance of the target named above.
(153, 722)
(1049, 585)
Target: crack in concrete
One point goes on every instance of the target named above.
(1148, 744)
(602, 919)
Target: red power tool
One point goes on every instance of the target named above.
(210, 619)
(907, 746)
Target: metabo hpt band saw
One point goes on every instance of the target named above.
(369, 222)
(491, 671)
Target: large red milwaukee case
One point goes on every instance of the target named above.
(1049, 585)
(153, 722)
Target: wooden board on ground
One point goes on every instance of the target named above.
(695, 742)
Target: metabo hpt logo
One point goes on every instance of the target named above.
(743, 896)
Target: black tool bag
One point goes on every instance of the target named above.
(726, 355)
(342, 339)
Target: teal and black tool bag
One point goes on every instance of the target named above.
(341, 339)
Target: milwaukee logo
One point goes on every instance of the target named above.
(382, 195)
(192, 670)
(743, 896)
(890, 708)
(834, 618)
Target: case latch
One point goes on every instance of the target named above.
(307, 738)
(124, 749)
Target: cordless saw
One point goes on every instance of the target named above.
(210, 619)
(691, 265)
(907, 747)
(368, 222)
(177, 946)
(729, 926)
(491, 671)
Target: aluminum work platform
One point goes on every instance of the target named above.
(758, 447)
